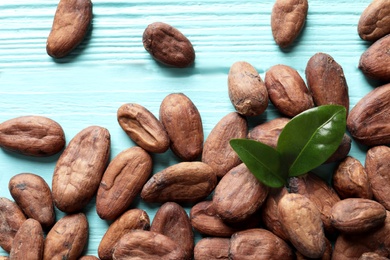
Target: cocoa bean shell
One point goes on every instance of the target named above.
(33, 196)
(122, 182)
(217, 151)
(37, 136)
(369, 120)
(79, 169)
(71, 23)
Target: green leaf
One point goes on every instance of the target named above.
(262, 160)
(311, 137)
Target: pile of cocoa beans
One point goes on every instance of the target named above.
(237, 216)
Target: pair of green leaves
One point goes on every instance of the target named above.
(305, 143)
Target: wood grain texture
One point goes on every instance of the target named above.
(111, 68)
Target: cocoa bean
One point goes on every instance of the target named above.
(185, 182)
(168, 45)
(246, 89)
(11, 219)
(28, 241)
(79, 169)
(33, 196)
(238, 195)
(287, 90)
(217, 151)
(143, 128)
(70, 26)
(67, 238)
(131, 219)
(183, 124)
(32, 135)
(172, 221)
(122, 182)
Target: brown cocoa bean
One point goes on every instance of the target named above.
(131, 219)
(372, 256)
(268, 132)
(205, 220)
(185, 182)
(70, 26)
(350, 180)
(326, 256)
(11, 219)
(356, 215)
(246, 89)
(28, 241)
(67, 238)
(122, 182)
(326, 80)
(375, 61)
(172, 221)
(288, 18)
(238, 195)
(141, 244)
(342, 151)
(259, 244)
(212, 248)
(168, 45)
(301, 220)
(183, 124)
(320, 193)
(88, 257)
(352, 246)
(32, 135)
(369, 120)
(287, 90)
(377, 165)
(143, 128)
(33, 196)
(79, 169)
(374, 22)
(217, 151)
(270, 214)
